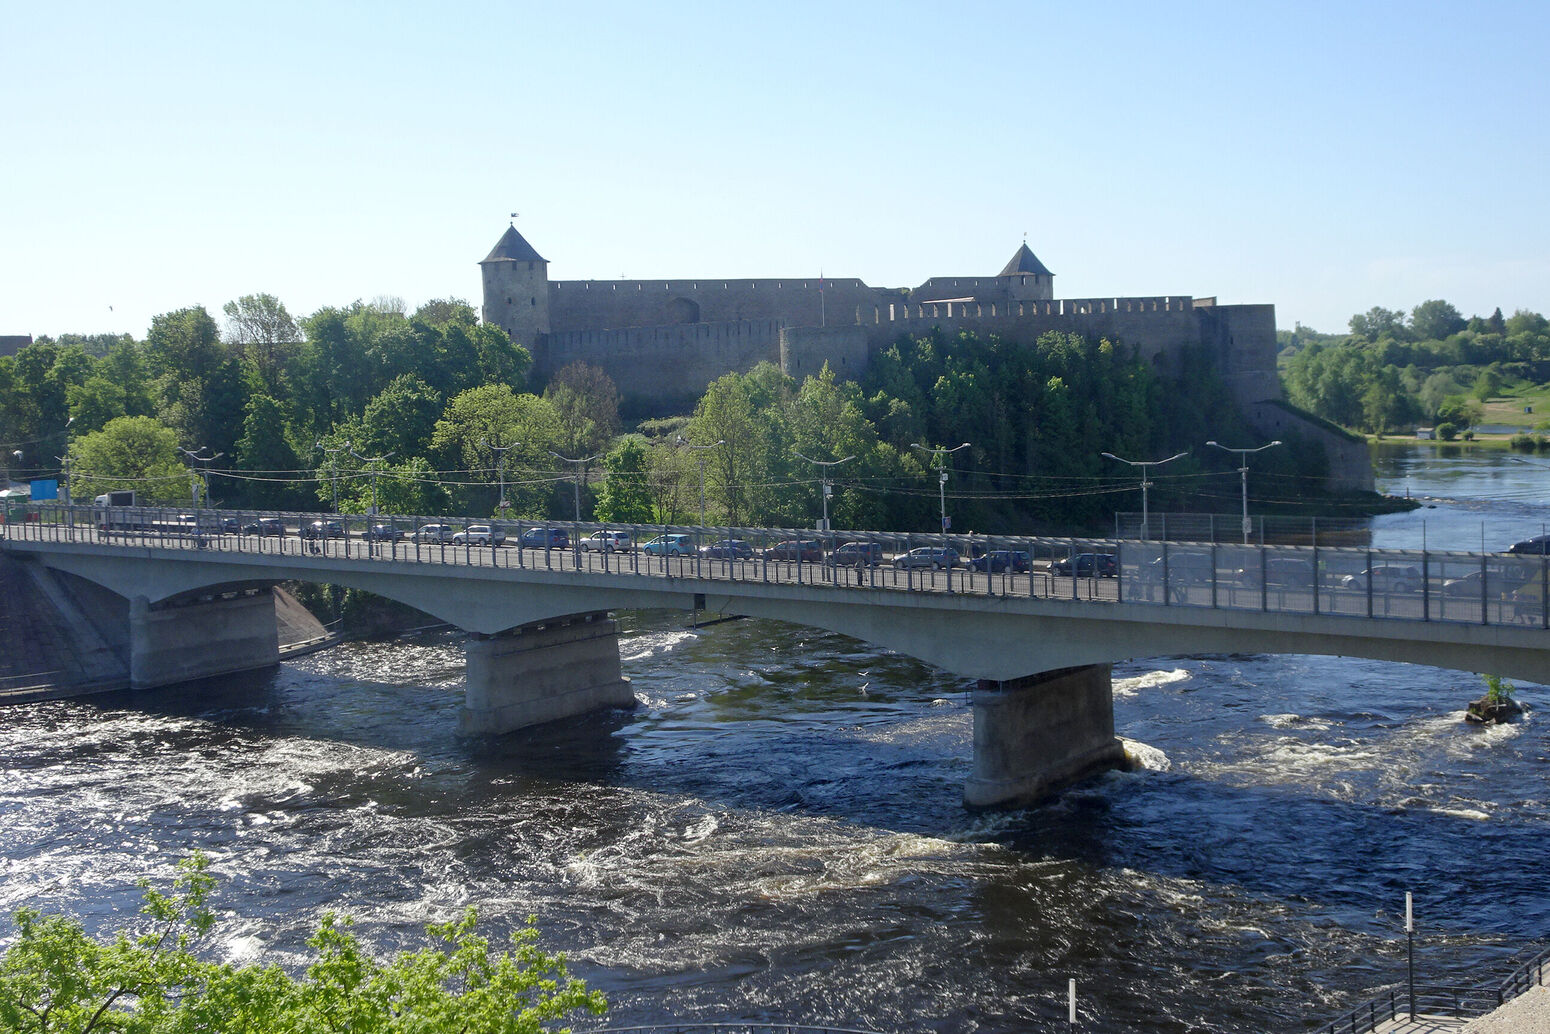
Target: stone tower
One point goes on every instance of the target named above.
(516, 289)
(1027, 279)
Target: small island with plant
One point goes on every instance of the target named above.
(1497, 706)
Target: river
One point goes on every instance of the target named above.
(777, 831)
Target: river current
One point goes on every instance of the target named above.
(777, 831)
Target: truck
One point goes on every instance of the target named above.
(117, 511)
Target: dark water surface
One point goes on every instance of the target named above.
(777, 831)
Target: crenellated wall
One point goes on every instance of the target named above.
(613, 304)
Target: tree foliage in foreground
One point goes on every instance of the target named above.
(56, 978)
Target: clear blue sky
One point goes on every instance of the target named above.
(1324, 157)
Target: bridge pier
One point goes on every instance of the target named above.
(543, 672)
(197, 638)
(1035, 734)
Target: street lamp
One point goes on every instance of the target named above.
(372, 462)
(194, 459)
(1145, 484)
(333, 467)
(65, 463)
(939, 457)
(826, 474)
(1243, 457)
(681, 440)
(500, 468)
(580, 466)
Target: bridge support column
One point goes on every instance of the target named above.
(543, 672)
(180, 641)
(1035, 734)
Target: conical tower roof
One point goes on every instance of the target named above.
(1025, 261)
(515, 247)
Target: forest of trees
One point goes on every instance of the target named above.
(1394, 371)
(302, 413)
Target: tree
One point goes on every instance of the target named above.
(1378, 322)
(1435, 320)
(493, 413)
(153, 980)
(135, 453)
(626, 495)
(586, 401)
(266, 455)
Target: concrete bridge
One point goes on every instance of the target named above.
(1038, 624)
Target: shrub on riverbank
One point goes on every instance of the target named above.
(54, 977)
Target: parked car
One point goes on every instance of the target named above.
(727, 549)
(544, 538)
(384, 533)
(322, 530)
(480, 535)
(856, 554)
(1539, 545)
(998, 560)
(230, 524)
(433, 533)
(670, 545)
(1400, 578)
(608, 542)
(936, 557)
(795, 549)
(264, 526)
(1087, 565)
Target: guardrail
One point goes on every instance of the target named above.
(1441, 1000)
(1419, 585)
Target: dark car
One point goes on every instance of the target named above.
(856, 554)
(323, 530)
(1539, 545)
(727, 549)
(264, 526)
(544, 538)
(792, 549)
(384, 533)
(1087, 565)
(998, 560)
(935, 557)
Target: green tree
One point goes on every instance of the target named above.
(494, 413)
(136, 453)
(1378, 322)
(625, 497)
(266, 456)
(154, 980)
(1434, 320)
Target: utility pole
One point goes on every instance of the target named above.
(64, 462)
(333, 467)
(1145, 484)
(939, 458)
(1243, 457)
(682, 441)
(580, 465)
(826, 475)
(500, 465)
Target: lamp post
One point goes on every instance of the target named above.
(826, 474)
(1410, 950)
(333, 467)
(1145, 484)
(194, 459)
(1243, 457)
(701, 449)
(500, 469)
(372, 462)
(580, 466)
(65, 464)
(939, 456)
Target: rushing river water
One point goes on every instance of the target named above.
(777, 831)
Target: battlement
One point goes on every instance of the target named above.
(714, 284)
(959, 308)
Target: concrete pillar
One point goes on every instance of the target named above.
(1035, 734)
(543, 672)
(183, 640)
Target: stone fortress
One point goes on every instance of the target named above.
(663, 341)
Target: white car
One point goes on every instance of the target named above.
(608, 542)
(479, 535)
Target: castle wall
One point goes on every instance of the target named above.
(656, 365)
(804, 350)
(576, 305)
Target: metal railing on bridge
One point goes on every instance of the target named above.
(1419, 585)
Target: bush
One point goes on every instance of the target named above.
(1447, 431)
(53, 977)
(1524, 442)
